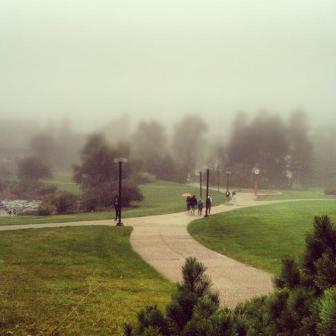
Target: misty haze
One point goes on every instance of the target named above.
(145, 143)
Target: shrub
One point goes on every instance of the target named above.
(89, 201)
(65, 202)
(130, 193)
(46, 208)
(103, 196)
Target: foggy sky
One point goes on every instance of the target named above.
(91, 60)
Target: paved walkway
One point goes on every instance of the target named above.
(164, 242)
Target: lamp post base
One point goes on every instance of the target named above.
(119, 224)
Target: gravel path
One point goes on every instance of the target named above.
(164, 242)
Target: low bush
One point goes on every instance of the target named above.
(61, 202)
(46, 208)
(103, 196)
(89, 201)
(64, 202)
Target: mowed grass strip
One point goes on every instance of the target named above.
(159, 198)
(261, 236)
(45, 274)
(295, 194)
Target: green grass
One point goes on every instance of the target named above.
(261, 236)
(63, 181)
(159, 198)
(296, 194)
(46, 273)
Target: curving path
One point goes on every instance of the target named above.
(164, 242)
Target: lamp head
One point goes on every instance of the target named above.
(120, 159)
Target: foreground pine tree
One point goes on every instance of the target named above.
(303, 303)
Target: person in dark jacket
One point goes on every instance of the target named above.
(188, 203)
(116, 207)
(199, 207)
(193, 204)
(208, 204)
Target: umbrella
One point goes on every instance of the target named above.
(186, 194)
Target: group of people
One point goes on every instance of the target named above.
(193, 204)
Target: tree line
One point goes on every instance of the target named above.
(289, 153)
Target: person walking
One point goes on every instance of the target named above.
(188, 203)
(208, 204)
(199, 207)
(193, 204)
(116, 207)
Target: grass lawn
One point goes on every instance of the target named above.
(45, 274)
(159, 198)
(296, 194)
(64, 182)
(261, 236)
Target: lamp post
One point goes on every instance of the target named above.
(207, 192)
(200, 182)
(120, 161)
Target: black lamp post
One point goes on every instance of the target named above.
(207, 192)
(200, 181)
(120, 161)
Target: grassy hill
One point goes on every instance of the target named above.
(261, 236)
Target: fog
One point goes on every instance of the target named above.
(93, 61)
(177, 85)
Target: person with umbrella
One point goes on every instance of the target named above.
(193, 204)
(188, 201)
